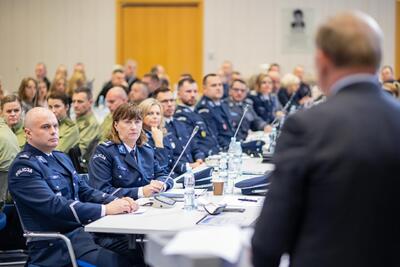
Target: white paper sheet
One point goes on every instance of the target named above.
(223, 242)
(242, 201)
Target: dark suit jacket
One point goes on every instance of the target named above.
(335, 193)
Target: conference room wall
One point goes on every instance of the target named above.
(247, 32)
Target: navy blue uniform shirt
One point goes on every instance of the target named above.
(115, 171)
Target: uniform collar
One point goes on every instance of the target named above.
(128, 148)
(85, 117)
(186, 106)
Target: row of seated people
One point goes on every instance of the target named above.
(127, 165)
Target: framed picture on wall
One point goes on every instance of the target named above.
(297, 29)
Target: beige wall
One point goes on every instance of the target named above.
(249, 32)
(245, 31)
(55, 32)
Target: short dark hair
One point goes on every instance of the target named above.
(85, 90)
(182, 81)
(239, 81)
(9, 99)
(128, 111)
(161, 90)
(205, 78)
(61, 96)
(152, 76)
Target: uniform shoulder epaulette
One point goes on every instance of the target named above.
(24, 155)
(107, 143)
(181, 118)
(203, 110)
(178, 111)
(248, 101)
(69, 122)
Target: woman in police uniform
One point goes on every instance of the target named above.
(125, 165)
(68, 132)
(154, 127)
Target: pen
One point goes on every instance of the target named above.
(246, 199)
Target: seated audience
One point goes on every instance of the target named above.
(51, 197)
(152, 81)
(130, 70)
(289, 95)
(41, 72)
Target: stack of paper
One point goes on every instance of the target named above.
(224, 242)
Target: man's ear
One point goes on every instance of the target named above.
(28, 132)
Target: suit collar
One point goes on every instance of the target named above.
(353, 79)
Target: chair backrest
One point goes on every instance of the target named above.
(3, 220)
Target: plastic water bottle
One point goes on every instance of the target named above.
(189, 195)
(232, 168)
(272, 138)
(238, 158)
(223, 169)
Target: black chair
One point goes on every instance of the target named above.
(10, 257)
(31, 235)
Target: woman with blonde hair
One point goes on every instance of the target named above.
(78, 80)
(263, 103)
(59, 84)
(126, 165)
(154, 127)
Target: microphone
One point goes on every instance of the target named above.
(246, 108)
(194, 132)
(284, 109)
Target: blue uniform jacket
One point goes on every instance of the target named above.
(178, 137)
(218, 120)
(115, 171)
(265, 108)
(49, 193)
(205, 139)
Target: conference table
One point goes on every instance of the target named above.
(172, 220)
(169, 221)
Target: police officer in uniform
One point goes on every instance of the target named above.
(115, 97)
(214, 112)
(82, 101)
(125, 165)
(237, 102)
(58, 103)
(51, 197)
(11, 111)
(187, 96)
(177, 134)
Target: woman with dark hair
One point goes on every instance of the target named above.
(42, 94)
(68, 132)
(11, 111)
(27, 93)
(125, 165)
